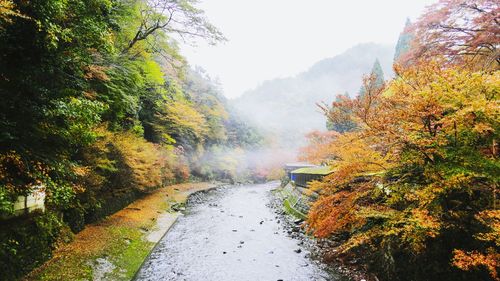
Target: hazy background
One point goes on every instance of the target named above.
(283, 57)
(280, 38)
(285, 109)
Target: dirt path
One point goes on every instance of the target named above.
(114, 248)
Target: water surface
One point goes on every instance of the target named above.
(231, 235)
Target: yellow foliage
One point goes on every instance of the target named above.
(8, 10)
(275, 174)
(424, 153)
(351, 156)
(139, 164)
(184, 119)
(491, 219)
(141, 159)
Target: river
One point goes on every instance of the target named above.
(231, 234)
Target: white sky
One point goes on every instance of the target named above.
(279, 38)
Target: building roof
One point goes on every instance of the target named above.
(321, 170)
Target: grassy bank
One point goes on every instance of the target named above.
(115, 247)
(291, 199)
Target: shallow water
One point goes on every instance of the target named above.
(231, 235)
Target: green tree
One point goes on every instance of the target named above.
(182, 18)
(404, 42)
(376, 79)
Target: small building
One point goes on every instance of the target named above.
(301, 177)
(289, 167)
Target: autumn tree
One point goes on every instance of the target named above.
(458, 31)
(98, 107)
(319, 149)
(421, 169)
(416, 182)
(377, 79)
(340, 120)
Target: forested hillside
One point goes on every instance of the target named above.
(101, 114)
(286, 107)
(98, 107)
(414, 192)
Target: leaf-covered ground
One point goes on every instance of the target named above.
(115, 247)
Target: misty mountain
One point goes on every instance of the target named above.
(286, 107)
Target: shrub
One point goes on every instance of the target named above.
(28, 243)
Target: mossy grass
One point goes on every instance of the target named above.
(289, 209)
(120, 240)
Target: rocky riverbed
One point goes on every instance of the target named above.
(235, 233)
(320, 249)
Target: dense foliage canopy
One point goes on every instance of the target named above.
(98, 106)
(416, 178)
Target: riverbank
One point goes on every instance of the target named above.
(231, 234)
(114, 248)
(292, 221)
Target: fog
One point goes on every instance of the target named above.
(240, 165)
(282, 58)
(286, 109)
(270, 39)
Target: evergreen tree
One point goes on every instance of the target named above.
(376, 78)
(403, 45)
(378, 73)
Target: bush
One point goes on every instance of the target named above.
(27, 243)
(74, 217)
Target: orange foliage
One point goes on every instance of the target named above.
(96, 72)
(423, 140)
(335, 213)
(18, 176)
(457, 32)
(473, 259)
(318, 150)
